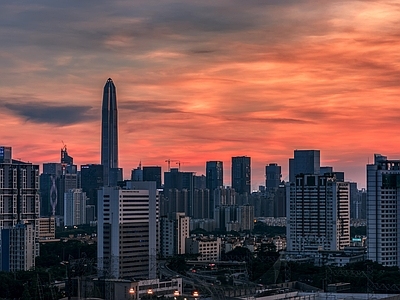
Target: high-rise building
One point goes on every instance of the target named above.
(214, 180)
(152, 173)
(201, 204)
(19, 200)
(245, 217)
(174, 230)
(383, 221)
(109, 131)
(214, 175)
(128, 229)
(49, 189)
(181, 181)
(91, 181)
(74, 207)
(318, 213)
(18, 248)
(273, 175)
(241, 174)
(304, 162)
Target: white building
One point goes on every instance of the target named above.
(173, 232)
(318, 213)
(383, 211)
(74, 207)
(208, 248)
(128, 228)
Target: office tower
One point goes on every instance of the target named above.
(304, 162)
(214, 175)
(109, 131)
(92, 177)
(383, 222)
(137, 174)
(273, 176)
(74, 207)
(18, 248)
(49, 188)
(19, 201)
(128, 228)
(318, 213)
(214, 180)
(181, 181)
(275, 196)
(241, 174)
(67, 162)
(174, 230)
(67, 182)
(152, 173)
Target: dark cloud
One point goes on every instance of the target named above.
(50, 114)
(152, 106)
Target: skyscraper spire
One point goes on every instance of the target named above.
(109, 131)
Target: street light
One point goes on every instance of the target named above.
(150, 293)
(195, 294)
(132, 292)
(176, 294)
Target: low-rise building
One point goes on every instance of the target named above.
(209, 248)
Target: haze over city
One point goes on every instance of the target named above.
(203, 81)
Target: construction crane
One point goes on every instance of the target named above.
(169, 163)
(179, 163)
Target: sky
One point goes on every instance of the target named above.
(203, 80)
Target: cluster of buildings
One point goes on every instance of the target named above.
(142, 218)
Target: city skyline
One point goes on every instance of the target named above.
(203, 81)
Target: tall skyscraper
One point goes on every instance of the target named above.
(214, 175)
(383, 221)
(91, 180)
(109, 132)
(304, 162)
(318, 213)
(272, 176)
(152, 173)
(241, 174)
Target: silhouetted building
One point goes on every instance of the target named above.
(179, 181)
(241, 174)
(273, 175)
(214, 180)
(152, 173)
(201, 204)
(92, 177)
(109, 132)
(137, 174)
(304, 162)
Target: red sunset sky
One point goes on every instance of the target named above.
(203, 80)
